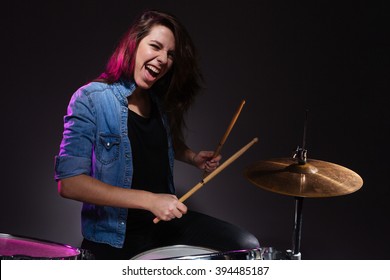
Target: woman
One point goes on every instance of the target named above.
(122, 133)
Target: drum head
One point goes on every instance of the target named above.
(185, 252)
(18, 247)
(172, 252)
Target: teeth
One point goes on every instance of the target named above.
(153, 69)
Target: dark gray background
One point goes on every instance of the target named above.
(280, 56)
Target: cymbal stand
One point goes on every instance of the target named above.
(301, 155)
(295, 253)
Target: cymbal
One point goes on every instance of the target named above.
(315, 178)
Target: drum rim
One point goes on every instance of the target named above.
(226, 255)
(43, 241)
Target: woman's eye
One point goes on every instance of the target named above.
(171, 55)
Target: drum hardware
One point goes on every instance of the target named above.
(14, 247)
(301, 177)
(85, 255)
(270, 253)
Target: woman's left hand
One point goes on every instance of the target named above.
(204, 160)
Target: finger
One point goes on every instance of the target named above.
(206, 155)
(182, 208)
(177, 213)
(211, 164)
(216, 159)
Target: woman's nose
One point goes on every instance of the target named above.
(163, 57)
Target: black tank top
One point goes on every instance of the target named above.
(149, 145)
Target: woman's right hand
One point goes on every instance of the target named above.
(167, 207)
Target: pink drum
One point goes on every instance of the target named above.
(22, 248)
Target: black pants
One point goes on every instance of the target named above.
(193, 229)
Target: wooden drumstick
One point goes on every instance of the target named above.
(214, 173)
(229, 129)
(225, 136)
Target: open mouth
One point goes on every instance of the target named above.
(153, 71)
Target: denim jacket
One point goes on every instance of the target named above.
(95, 142)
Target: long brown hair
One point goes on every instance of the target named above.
(178, 88)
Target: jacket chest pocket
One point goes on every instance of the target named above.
(108, 148)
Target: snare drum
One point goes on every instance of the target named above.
(21, 248)
(185, 252)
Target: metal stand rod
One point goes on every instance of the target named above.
(297, 226)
